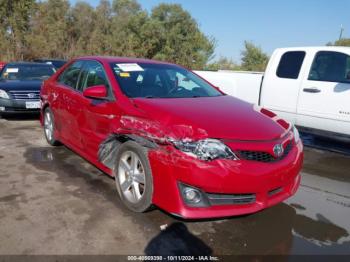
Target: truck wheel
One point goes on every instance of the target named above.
(49, 127)
(133, 177)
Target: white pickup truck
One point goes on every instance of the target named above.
(309, 86)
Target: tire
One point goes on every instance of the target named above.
(134, 191)
(49, 127)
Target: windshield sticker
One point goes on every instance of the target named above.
(130, 67)
(124, 74)
(12, 70)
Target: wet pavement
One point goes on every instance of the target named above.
(54, 202)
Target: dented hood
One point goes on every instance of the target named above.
(222, 117)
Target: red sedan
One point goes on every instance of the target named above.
(170, 138)
(2, 65)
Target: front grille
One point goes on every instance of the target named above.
(229, 199)
(25, 95)
(263, 156)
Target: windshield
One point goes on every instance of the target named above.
(160, 81)
(27, 72)
(56, 63)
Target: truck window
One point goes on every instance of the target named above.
(330, 67)
(290, 64)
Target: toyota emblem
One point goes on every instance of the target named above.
(278, 150)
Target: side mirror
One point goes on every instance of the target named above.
(96, 92)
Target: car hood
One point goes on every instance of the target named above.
(222, 117)
(13, 85)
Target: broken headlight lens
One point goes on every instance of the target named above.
(207, 149)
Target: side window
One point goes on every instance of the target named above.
(290, 64)
(92, 74)
(330, 67)
(70, 76)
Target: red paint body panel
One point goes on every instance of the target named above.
(202, 114)
(226, 177)
(2, 65)
(83, 125)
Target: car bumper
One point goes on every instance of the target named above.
(269, 183)
(11, 106)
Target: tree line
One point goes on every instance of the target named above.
(55, 29)
(32, 29)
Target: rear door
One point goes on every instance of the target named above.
(324, 99)
(95, 121)
(281, 85)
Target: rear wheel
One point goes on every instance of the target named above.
(133, 177)
(49, 127)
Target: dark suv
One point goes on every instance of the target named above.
(20, 84)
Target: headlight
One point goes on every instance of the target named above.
(296, 134)
(3, 94)
(207, 149)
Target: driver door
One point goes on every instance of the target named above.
(95, 122)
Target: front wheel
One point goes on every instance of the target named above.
(49, 127)
(133, 177)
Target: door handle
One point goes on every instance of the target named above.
(312, 90)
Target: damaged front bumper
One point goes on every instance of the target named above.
(225, 187)
(204, 178)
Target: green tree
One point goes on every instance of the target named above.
(52, 28)
(7, 52)
(50, 36)
(125, 8)
(223, 63)
(340, 42)
(179, 37)
(82, 20)
(15, 23)
(126, 29)
(253, 58)
(100, 43)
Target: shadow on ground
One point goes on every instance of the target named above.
(21, 117)
(176, 239)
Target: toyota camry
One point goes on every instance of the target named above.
(170, 139)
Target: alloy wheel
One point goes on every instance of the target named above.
(48, 125)
(131, 176)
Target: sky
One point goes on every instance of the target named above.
(267, 23)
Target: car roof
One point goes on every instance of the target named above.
(114, 59)
(26, 63)
(48, 60)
